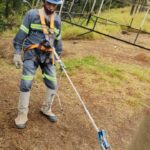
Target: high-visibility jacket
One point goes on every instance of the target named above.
(31, 32)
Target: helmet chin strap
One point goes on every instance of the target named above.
(47, 11)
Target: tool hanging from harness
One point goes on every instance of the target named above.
(48, 44)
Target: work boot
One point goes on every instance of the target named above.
(46, 107)
(23, 104)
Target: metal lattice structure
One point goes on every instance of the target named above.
(89, 17)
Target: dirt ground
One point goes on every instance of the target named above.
(73, 130)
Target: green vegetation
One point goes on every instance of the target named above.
(108, 70)
(120, 15)
(72, 32)
(132, 81)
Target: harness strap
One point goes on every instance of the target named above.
(42, 18)
(52, 26)
(39, 46)
(47, 33)
(42, 48)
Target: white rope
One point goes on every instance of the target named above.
(85, 108)
(81, 100)
(56, 94)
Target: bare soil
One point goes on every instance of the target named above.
(73, 130)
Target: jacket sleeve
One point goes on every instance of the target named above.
(58, 39)
(22, 33)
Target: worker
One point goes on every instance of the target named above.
(39, 34)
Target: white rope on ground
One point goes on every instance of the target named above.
(86, 110)
(56, 94)
(58, 98)
(102, 140)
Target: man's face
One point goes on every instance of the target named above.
(50, 6)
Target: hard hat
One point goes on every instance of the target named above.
(57, 2)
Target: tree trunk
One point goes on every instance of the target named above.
(6, 8)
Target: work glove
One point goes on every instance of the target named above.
(62, 65)
(17, 61)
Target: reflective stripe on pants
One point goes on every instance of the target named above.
(29, 70)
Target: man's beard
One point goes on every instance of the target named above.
(47, 11)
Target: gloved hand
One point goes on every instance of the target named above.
(62, 66)
(17, 61)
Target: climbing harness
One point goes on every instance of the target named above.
(46, 46)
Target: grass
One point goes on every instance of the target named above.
(132, 102)
(70, 32)
(120, 15)
(110, 72)
(10, 32)
(141, 74)
(130, 82)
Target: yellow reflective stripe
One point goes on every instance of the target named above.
(49, 77)
(36, 26)
(27, 77)
(39, 27)
(24, 28)
(56, 31)
(58, 37)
